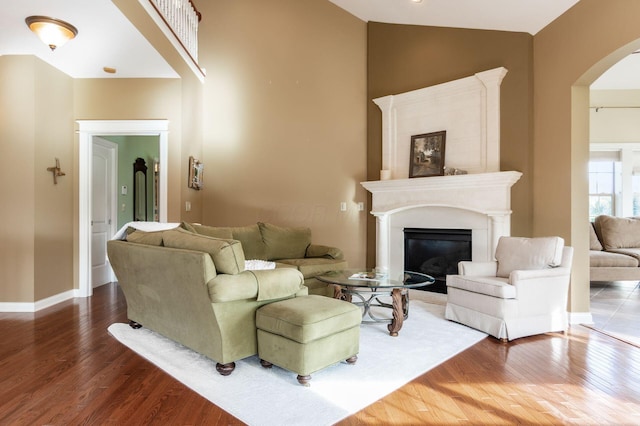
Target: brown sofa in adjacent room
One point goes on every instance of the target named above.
(614, 253)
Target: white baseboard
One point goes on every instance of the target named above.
(580, 318)
(40, 304)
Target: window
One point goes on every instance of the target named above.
(604, 185)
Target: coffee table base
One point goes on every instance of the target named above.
(399, 304)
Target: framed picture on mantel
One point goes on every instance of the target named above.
(427, 154)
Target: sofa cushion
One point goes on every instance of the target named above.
(255, 285)
(209, 231)
(629, 252)
(285, 243)
(594, 242)
(227, 255)
(618, 232)
(142, 237)
(317, 250)
(251, 239)
(490, 286)
(599, 259)
(312, 267)
(516, 253)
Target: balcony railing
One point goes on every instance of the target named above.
(182, 17)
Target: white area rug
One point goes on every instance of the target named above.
(260, 396)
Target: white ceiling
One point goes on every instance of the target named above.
(107, 39)
(528, 16)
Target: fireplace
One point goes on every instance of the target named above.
(436, 252)
(468, 109)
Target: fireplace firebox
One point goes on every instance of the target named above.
(436, 252)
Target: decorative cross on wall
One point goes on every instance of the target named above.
(56, 171)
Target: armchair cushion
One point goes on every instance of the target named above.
(516, 253)
(491, 286)
(227, 255)
(285, 243)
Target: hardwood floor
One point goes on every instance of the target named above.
(60, 367)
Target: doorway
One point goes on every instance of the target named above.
(87, 130)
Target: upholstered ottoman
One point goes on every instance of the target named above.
(308, 333)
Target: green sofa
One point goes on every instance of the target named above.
(192, 286)
(288, 247)
(184, 295)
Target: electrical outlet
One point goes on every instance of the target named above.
(187, 206)
(343, 206)
(360, 206)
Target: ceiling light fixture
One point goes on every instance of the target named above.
(53, 32)
(417, 1)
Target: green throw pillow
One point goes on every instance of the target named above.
(251, 239)
(285, 243)
(227, 255)
(141, 237)
(211, 231)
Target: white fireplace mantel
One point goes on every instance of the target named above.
(479, 202)
(468, 109)
(481, 192)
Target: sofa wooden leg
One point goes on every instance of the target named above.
(265, 364)
(134, 325)
(226, 369)
(304, 380)
(352, 360)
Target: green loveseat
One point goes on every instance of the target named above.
(288, 247)
(194, 290)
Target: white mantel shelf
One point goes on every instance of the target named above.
(480, 202)
(480, 192)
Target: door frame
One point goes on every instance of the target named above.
(87, 129)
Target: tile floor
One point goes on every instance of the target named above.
(615, 308)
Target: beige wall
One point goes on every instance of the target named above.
(138, 99)
(570, 54)
(36, 128)
(284, 118)
(405, 57)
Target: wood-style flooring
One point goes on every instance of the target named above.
(60, 367)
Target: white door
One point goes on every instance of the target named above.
(102, 203)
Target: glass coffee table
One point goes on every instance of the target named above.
(369, 288)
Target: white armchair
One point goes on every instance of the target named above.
(523, 292)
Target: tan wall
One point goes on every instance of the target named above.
(284, 118)
(573, 51)
(184, 111)
(17, 178)
(404, 57)
(138, 99)
(37, 128)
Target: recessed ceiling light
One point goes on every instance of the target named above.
(417, 1)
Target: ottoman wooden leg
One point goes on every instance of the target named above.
(352, 360)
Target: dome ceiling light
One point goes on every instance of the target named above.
(53, 32)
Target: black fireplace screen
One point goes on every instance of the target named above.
(436, 252)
